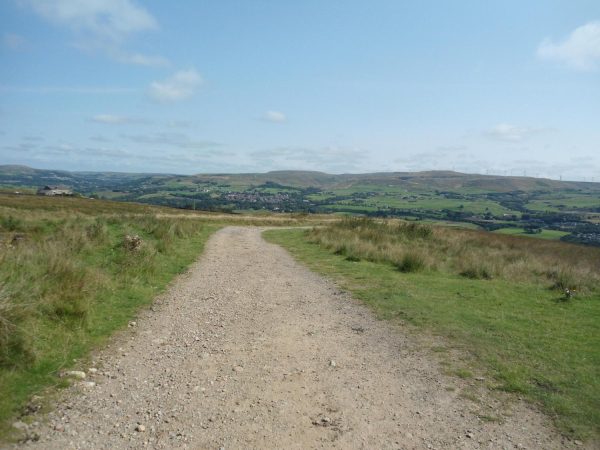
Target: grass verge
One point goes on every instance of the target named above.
(67, 284)
(530, 340)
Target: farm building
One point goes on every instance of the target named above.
(61, 189)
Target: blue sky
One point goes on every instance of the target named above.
(338, 86)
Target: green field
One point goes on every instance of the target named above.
(545, 234)
(445, 223)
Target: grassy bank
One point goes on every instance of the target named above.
(41, 208)
(500, 298)
(67, 283)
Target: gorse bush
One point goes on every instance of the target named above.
(412, 247)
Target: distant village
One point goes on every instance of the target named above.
(255, 197)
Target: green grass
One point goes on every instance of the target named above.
(71, 283)
(446, 223)
(347, 214)
(529, 339)
(545, 234)
(350, 207)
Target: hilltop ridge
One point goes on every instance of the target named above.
(428, 180)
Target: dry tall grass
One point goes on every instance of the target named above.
(41, 208)
(55, 272)
(474, 254)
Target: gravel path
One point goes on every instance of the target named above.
(250, 350)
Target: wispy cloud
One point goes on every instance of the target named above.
(32, 138)
(174, 139)
(511, 133)
(117, 120)
(62, 148)
(580, 50)
(452, 148)
(140, 60)
(92, 152)
(100, 25)
(275, 116)
(15, 42)
(99, 138)
(178, 124)
(113, 153)
(179, 86)
(334, 159)
(66, 90)
(19, 147)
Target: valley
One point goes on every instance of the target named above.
(534, 207)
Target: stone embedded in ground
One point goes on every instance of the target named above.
(76, 374)
(19, 425)
(140, 428)
(88, 384)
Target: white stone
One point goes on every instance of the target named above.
(20, 425)
(76, 374)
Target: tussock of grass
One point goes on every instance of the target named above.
(70, 282)
(477, 255)
(411, 262)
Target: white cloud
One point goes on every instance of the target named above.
(179, 86)
(61, 149)
(451, 148)
(139, 59)
(14, 41)
(116, 120)
(581, 50)
(113, 153)
(275, 116)
(511, 133)
(102, 25)
(331, 159)
(20, 147)
(178, 124)
(111, 19)
(68, 90)
(175, 139)
(99, 138)
(33, 138)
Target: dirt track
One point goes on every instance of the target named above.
(251, 350)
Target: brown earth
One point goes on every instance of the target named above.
(250, 350)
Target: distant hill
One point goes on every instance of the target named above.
(433, 180)
(23, 176)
